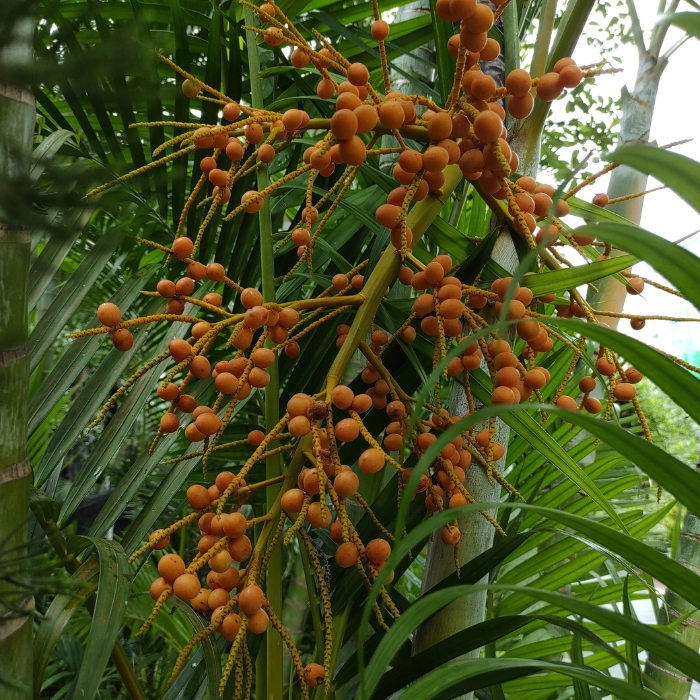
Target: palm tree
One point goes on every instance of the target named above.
(590, 527)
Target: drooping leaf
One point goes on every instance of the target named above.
(110, 607)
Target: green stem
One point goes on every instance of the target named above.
(272, 686)
(544, 37)
(17, 118)
(526, 140)
(418, 220)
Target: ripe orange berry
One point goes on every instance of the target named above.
(292, 501)
(226, 382)
(182, 247)
(179, 349)
(566, 402)
(240, 548)
(109, 314)
(234, 525)
(435, 159)
(624, 391)
(200, 367)
(158, 587)
(490, 51)
(371, 461)
(255, 437)
(299, 426)
(380, 29)
(314, 516)
(487, 126)
(358, 74)
(163, 543)
(200, 602)
(258, 622)
(549, 87)
(346, 483)
(450, 535)
(186, 586)
(197, 496)
(292, 350)
(314, 675)
(391, 115)
(347, 555)
(229, 626)
(223, 479)
(592, 405)
(231, 111)
(259, 378)
(346, 430)
(228, 579)
(169, 423)
(298, 405)
(634, 376)
(250, 599)
(170, 567)
(207, 423)
(636, 286)
(186, 403)
(220, 562)
(122, 339)
(367, 117)
(440, 126)
(502, 394)
(378, 551)
(342, 397)
(482, 86)
(606, 368)
(218, 597)
(206, 542)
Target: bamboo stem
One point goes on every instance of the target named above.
(17, 119)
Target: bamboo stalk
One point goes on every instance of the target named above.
(17, 118)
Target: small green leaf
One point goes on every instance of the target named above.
(572, 277)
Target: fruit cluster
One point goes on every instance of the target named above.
(464, 323)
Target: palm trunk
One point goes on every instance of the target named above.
(17, 117)
(664, 679)
(477, 534)
(637, 113)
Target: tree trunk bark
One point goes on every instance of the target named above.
(668, 682)
(17, 117)
(637, 113)
(477, 534)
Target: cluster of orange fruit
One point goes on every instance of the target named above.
(468, 133)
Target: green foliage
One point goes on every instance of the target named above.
(587, 528)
